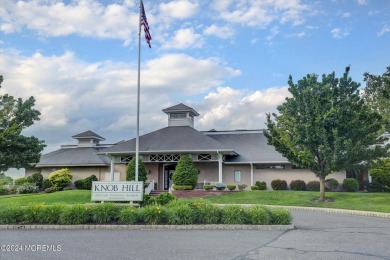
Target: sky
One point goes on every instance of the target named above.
(229, 60)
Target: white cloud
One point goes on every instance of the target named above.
(339, 33)
(180, 9)
(346, 15)
(361, 2)
(229, 108)
(184, 39)
(385, 29)
(262, 13)
(85, 17)
(223, 32)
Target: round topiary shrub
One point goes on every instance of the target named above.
(255, 187)
(220, 186)
(208, 187)
(331, 184)
(261, 184)
(182, 187)
(242, 187)
(279, 184)
(350, 185)
(313, 186)
(61, 178)
(231, 187)
(185, 172)
(298, 185)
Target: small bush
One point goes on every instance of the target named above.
(208, 187)
(297, 185)
(233, 215)
(255, 187)
(242, 187)
(60, 178)
(51, 189)
(85, 184)
(331, 184)
(280, 216)
(21, 181)
(350, 185)
(79, 184)
(75, 215)
(50, 214)
(154, 214)
(279, 184)
(104, 213)
(231, 187)
(261, 184)
(37, 179)
(148, 200)
(220, 186)
(259, 215)
(46, 184)
(180, 215)
(313, 186)
(11, 214)
(182, 187)
(128, 216)
(27, 188)
(165, 198)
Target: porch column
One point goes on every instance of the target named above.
(112, 168)
(219, 167)
(252, 174)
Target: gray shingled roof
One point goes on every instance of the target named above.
(88, 134)
(171, 139)
(180, 108)
(73, 157)
(251, 146)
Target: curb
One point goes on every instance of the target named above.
(150, 227)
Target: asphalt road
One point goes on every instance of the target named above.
(317, 236)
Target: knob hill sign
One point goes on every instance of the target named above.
(117, 191)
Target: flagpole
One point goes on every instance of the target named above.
(138, 95)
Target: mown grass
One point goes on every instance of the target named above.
(379, 202)
(67, 197)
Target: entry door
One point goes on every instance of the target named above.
(168, 178)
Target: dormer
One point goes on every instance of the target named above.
(88, 139)
(180, 115)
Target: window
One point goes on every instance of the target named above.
(237, 176)
(269, 166)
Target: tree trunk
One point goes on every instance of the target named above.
(322, 188)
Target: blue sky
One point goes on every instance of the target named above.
(229, 60)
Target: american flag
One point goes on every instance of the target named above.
(144, 22)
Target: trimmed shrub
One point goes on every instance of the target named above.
(279, 184)
(75, 215)
(50, 214)
(180, 215)
(280, 216)
(11, 214)
(85, 184)
(26, 188)
(61, 178)
(128, 216)
(37, 179)
(331, 184)
(242, 187)
(165, 198)
(148, 200)
(350, 185)
(104, 213)
(208, 187)
(233, 215)
(130, 171)
(154, 214)
(46, 184)
(259, 215)
(182, 187)
(313, 186)
(79, 184)
(255, 187)
(261, 184)
(297, 185)
(231, 187)
(220, 186)
(185, 172)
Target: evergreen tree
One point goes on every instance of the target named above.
(130, 171)
(185, 172)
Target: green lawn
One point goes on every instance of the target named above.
(379, 202)
(68, 197)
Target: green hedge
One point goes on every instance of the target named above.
(176, 212)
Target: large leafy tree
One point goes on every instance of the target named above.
(17, 150)
(377, 94)
(325, 126)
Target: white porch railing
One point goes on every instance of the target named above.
(150, 187)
